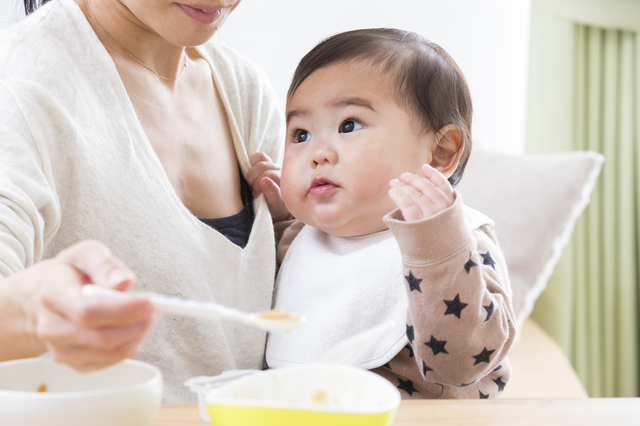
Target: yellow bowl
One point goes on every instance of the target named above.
(310, 395)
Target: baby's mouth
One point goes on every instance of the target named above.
(321, 186)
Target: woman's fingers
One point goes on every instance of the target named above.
(87, 348)
(89, 332)
(62, 336)
(88, 311)
(85, 359)
(91, 262)
(94, 260)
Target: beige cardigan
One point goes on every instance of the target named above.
(75, 164)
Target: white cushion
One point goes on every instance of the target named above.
(535, 200)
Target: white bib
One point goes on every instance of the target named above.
(343, 285)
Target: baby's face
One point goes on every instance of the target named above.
(347, 137)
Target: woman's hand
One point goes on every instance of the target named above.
(422, 197)
(264, 177)
(87, 333)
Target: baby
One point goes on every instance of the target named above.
(378, 134)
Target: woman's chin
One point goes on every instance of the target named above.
(185, 31)
(194, 38)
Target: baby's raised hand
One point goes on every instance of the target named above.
(422, 197)
(264, 177)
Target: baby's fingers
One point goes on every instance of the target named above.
(261, 167)
(432, 196)
(258, 157)
(439, 180)
(273, 196)
(405, 203)
(424, 206)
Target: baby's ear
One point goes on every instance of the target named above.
(449, 147)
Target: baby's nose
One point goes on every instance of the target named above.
(323, 153)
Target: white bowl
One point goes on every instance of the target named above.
(126, 394)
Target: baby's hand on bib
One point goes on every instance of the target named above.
(422, 197)
(264, 178)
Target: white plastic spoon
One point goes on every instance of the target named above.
(274, 320)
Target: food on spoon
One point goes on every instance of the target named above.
(42, 388)
(279, 314)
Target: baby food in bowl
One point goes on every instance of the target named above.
(305, 395)
(39, 391)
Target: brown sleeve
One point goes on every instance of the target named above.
(286, 231)
(460, 322)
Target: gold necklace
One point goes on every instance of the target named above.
(86, 8)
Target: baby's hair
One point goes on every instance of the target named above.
(428, 81)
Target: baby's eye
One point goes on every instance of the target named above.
(349, 126)
(301, 136)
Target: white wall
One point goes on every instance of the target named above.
(488, 39)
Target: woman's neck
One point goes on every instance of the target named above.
(124, 34)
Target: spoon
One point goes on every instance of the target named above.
(275, 320)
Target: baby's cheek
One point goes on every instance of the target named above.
(375, 198)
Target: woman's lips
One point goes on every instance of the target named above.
(199, 15)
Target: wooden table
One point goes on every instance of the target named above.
(495, 412)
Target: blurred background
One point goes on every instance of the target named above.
(545, 76)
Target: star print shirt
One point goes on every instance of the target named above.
(460, 322)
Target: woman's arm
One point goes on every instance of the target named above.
(42, 309)
(17, 332)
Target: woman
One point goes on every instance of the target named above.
(117, 144)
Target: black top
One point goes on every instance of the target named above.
(237, 228)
